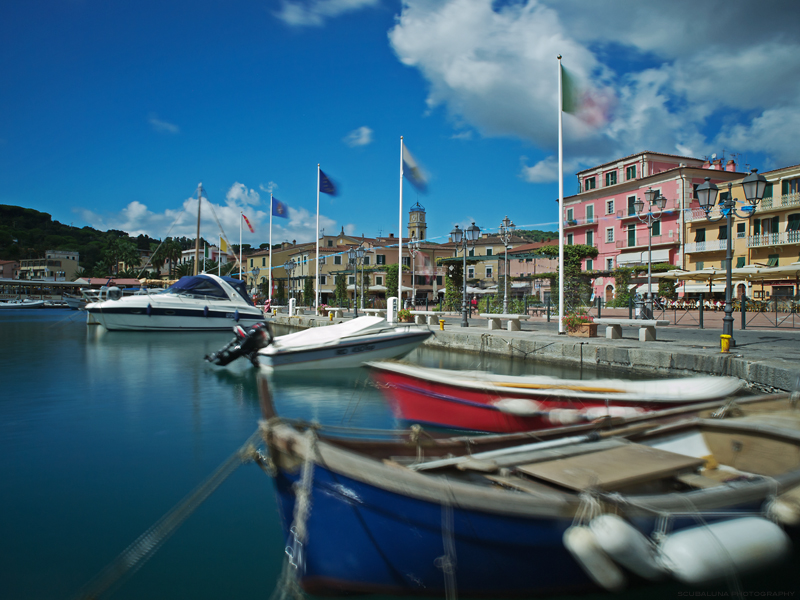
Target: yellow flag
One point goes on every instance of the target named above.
(223, 246)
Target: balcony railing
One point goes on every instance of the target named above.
(698, 214)
(773, 239)
(642, 241)
(783, 201)
(709, 246)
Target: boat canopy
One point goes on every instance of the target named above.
(202, 285)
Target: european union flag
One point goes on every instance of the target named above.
(279, 209)
(326, 185)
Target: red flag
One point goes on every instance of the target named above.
(246, 220)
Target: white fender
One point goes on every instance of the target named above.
(627, 546)
(708, 554)
(581, 543)
(600, 412)
(521, 407)
(565, 416)
(784, 511)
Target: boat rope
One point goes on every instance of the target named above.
(587, 510)
(447, 562)
(294, 565)
(143, 548)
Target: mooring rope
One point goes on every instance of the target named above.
(135, 555)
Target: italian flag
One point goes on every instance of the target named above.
(589, 105)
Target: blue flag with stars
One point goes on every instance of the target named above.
(326, 185)
(279, 209)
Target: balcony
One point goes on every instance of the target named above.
(630, 213)
(709, 246)
(698, 214)
(773, 239)
(641, 241)
(780, 202)
(575, 223)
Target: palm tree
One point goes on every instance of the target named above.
(172, 252)
(157, 260)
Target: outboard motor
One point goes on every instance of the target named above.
(246, 343)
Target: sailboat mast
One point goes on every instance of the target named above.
(197, 239)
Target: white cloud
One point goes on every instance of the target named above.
(268, 188)
(239, 194)
(361, 136)
(162, 126)
(313, 13)
(684, 76)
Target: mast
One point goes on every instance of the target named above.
(197, 238)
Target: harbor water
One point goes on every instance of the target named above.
(102, 433)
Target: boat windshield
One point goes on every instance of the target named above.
(198, 285)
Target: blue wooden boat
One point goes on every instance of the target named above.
(534, 514)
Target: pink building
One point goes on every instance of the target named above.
(602, 214)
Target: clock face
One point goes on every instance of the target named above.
(414, 217)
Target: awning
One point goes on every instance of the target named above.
(634, 258)
(700, 288)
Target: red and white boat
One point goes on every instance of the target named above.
(480, 401)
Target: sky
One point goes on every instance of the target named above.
(112, 113)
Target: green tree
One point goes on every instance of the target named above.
(577, 284)
(453, 286)
(172, 253)
(340, 290)
(308, 292)
(392, 274)
(280, 292)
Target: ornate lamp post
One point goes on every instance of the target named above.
(466, 239)
(290, 266)
(413, 250)
(507, 228)
(655, 200)
(754, 186)
(356, 256)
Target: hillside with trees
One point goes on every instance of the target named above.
(535, 235)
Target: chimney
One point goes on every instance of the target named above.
(717, 166)
(391, 235)
(706, 164)
(731, 166)
(294, 242)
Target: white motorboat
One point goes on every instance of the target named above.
(347, 344)
(193, 303)
(25, 303)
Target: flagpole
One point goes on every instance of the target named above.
(316, 267)
(560, 203)
(400, 235)
(240, 246)
(269, 276)
(197, 240)
(219, 257)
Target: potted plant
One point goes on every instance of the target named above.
(580, 324)
(321, 310)
(404, 315)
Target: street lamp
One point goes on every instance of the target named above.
(413, 250)
(507, 228)
(466, 239)
(656, 200)
(356, 256)
(754, 186)
(290, 265)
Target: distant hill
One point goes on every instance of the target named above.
(28, 233)
(534, 235)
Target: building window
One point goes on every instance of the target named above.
(609, 264)
(740, 262)
(489, 271)
(694, 190)
(631, 235)
(590, 238)
(470, 272)
(740, 230)
(264, 262)
(366, 261)
(631, 205)
(380, 259)
(570, 214)
(378, 279)
(590, 214)
(323, 280)
(630, 173)
(773, 260)
(610, 235)
(611, 178)
(723, 232)
(700, 235)
(439, 280)
(700, 264)
(591, 183)
(609, 207)
(406, 261)
(489, 252)
(569, 239)
(792, 222)
(351, 279)
(471, 252)
(337, 260)
(589, 264)
(330, 243)
(656, 230)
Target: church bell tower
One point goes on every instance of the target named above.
(416, 222)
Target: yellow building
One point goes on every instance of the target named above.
(57, 265)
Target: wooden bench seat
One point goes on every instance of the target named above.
(647, 327)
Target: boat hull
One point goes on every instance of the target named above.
(347, 353)
(170, 317)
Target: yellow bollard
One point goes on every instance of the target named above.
(725, 343)
(274, 312)
(330, 316)
(441, 324)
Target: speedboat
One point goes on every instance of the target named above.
(481, 401)
(344, 345)
(25, 303)
(193, 303)
(682, 497)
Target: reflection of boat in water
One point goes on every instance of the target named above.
(568, 510)
(24, 303)
(481, 401)
(200, 303)
(344, 345)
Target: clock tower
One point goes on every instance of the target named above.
(416, 222)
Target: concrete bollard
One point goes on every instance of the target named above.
(441, 324)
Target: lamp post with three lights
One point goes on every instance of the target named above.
(356, 257)
(413, 250)
(465, 238)
(657, 201)
(754, 186)
(290, 265)
(507, 228)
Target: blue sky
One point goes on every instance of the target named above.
(112, 112)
